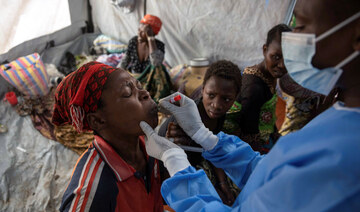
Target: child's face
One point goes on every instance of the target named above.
(126, 103)
(218, 96)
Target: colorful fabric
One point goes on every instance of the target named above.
(231, 124)
(27, 74)
(111, 45)
(131, 61)
(112, 60)
(103, 181)
(176, 74)
(82, 59)
(40, 111)
(153, 21)
(69, 137)
(79, 94)
(299, 112)
(156, 80)
(280, 112)
(267, 120)
(191, 83)
(258, 113)
(254, 70)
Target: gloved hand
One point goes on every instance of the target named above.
(174, 158)
(187, 114)
(188, 117)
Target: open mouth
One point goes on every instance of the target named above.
(154, 109)
(153, 115)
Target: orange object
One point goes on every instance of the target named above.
(280, 112)
(153, 21)
(168, 209)
(11, 98)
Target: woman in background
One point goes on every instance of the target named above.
(143, 49)
(144, 57)
(258, 97)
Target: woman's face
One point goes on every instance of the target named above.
(126, 103)
(218, 96)
(141, 32)
(273, 58)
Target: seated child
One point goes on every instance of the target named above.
(115, 173)
(221, 85)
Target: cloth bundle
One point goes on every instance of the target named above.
(111, 45)
(27, 74)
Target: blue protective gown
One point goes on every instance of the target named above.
(314, 169)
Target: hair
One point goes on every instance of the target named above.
(275, 33)
(226, 70)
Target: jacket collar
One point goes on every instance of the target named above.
(121, 169)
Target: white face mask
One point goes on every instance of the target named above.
(298, 50)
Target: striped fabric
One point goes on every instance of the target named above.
(103, 181)
(88, 183)
(27, 74)
(110, 44)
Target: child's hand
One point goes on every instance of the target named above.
(228, 196)
(177, 135)
(188, 117)
(187, 114)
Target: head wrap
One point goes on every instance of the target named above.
(79, 93)
(153, 21)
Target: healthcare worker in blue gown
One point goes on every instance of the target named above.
(314, 169)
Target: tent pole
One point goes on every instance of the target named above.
(289, 13)
(144, 7)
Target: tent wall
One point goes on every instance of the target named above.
(234, 30)
(79, 15)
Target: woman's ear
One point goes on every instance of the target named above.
(202, 89)
(264, 49)
(95, 121)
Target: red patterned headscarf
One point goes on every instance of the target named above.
(79, 93)
(153, 21)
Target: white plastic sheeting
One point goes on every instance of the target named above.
(34, 171)
(233, 29)
(25, 20)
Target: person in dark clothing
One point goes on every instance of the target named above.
(258, 96)
(143, 49)
(221, 85)
(144, 59)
